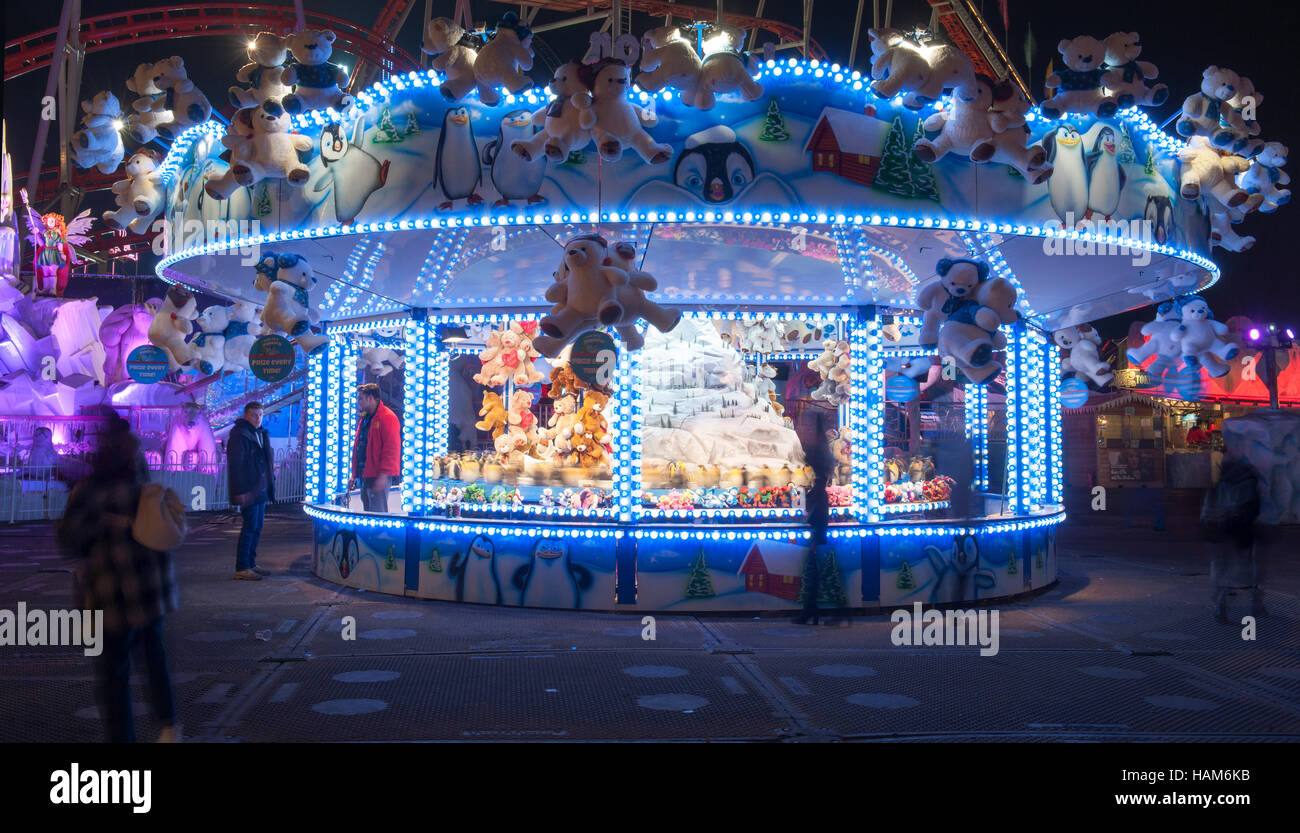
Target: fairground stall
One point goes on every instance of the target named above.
(612, 317)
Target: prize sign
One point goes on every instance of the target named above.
(594, 358)
(271, 358)
(146, 364)
(1074, 393)
(902, 389)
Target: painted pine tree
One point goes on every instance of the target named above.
(922, 174)
(832, 586)
(435, 561)
(1012, 568)
(699, 585)
(575, 157)
(905, 580)
(386, 132)
(774, 124)
(1150, 167)
(412, 125)
(901, 172)
(262, 202)
(390, 563)
(1126, 154)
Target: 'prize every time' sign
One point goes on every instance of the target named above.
(271, 358)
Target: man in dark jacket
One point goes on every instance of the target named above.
(377, 452)
(252, 484)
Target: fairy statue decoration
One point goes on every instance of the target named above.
(53, 238)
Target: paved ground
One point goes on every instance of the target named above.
(1123, 648)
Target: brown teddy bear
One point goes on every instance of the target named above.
(494, 415)
(591, 431)
(564, 382)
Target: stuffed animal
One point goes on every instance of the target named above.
(591, 431)
(380, 361)
(522, 424)
(765, 388)
(1130, 85)
(615, 122)
(1204, 111)
(1266, 177)
(963, 125)
(943, 296)
(238, 144)
(504, 60)
(1083, 358)
(564, 382)
(444, 39)
(833, 366)
(209, 343)
(140, 196)
(494, 415)
(244, 327)
(1159, 340)
(519, 339)
(978, 305)
(635, 305)
(1206, 169)
(1199, 337)
(763, 336)
(494, 371)
(98, 144)
(149, 108)
(272, 151)
(186, 103)
(559, 428)
(1010, 142)
(317, 84)
(922, 72)
(842, 451)
(560, 121)
(1239, 126)
(267, 53)
(721, 72)
(286, 279)
(668, 60)
(583, 292)
(171, 324)
(1079, 86)
(1221, 231)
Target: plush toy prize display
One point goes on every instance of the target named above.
(260, 77)
(972, 307)
(1082, 357)
(317, 83)
(98, 144)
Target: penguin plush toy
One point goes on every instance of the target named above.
(456, 167)
(514, 177)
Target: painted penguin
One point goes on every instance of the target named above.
(353, 173)
(957, 576)
(1068, 187)
(550, 578)
(456, 165)
(1159, 216)
(1105, 176)
(514, 177)
(345, 551)
(714, 165)
(475, 573)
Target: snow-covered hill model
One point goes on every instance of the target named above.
(700, 408)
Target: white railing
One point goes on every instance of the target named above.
(31, 493)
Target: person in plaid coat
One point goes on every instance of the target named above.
(135, 587)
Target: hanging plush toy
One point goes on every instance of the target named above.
(380, 361)
(1083, 358)
(270, 152)
(52, 239)
(833, 366)
(509, 355)
(1266, 177)
(317, 84)
(977, 306)
(494, 371)
(185, 102)
(1080, 85)
(149, 108)
(244, 328)
(615, 122)
(267, 53)
(453, 56)
(1199, 337)
(286, 279)
(923, 72)
(505, 60)
(560, 121)
(631, 297)
(1159, 341)
(1205, 111)
(1127, 76)
(172, 324)
(1208, 171)
(209, 344)
(522, 424)
(963, 125)
(1221, 232)
(98, 144)
(494, 415)
(583, 293)
(723, 71)
(238, 144)
(140, 196)
(1240, 127)
(668, 60)
(1010, 142)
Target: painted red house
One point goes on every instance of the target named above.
(847, 144)
(779, 573)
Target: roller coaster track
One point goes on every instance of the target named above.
(121, 29)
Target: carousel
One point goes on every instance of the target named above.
(613, 313)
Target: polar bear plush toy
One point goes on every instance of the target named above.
(504, 60)
(1266, 177)
(922, 72)
(209, 343)
(186, 103)
(1240, 127)
(965, 124)
(1130, 85)
(442, 40)
(98, 144)
(380, 361)
(1222, 233)
(317, 84)
(668, 60)
(615, 121)
(149, 108)
(1203, 111)
(1079, 86)
(1010, 142)
(977, 306)
(286, 279)
(271, 151)
(1083, 357)
(243, 329)
(1159, 340)
(261, 76)
(171, 324)
(1209, 171)
(140, 196)
(721, 72)
(560, 121)
(583, 293)
(1200, 337)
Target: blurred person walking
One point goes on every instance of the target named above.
(1228, 515)
(377, 451)
(252, 486)
(818, 509)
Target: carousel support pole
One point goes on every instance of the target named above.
(866, 412)
(857, 28)
(66, 21)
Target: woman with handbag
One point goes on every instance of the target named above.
(122, 529)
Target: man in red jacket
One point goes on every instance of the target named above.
(377, 453)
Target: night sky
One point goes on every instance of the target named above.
(1253, 37)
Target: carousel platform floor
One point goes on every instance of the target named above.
(1123, 648)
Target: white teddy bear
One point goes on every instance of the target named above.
(1083, 359)
(668, 60)
(1240, 126)
(237, 142)
(1221, 231)
(317, 84)
(149, 110)
(1203, 111)
(185, 102)
(381, 361)
(171, 324)
(504, 60)
(271, 151)
(583, 293)
(559, 428)
(286, 279)
(721, 72)
(922, 72)
(442, 39)
(243, 329)
(963, 125)
(209, 343)
(140, 196)
(615, 121)
(1266, 177)
(1200, 337)
(561, 120)
(1010, 142)
(98, 144)
(1130, 85)
(267, 53)
(1206, 169)
(1082, 86)
(1160, 341)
